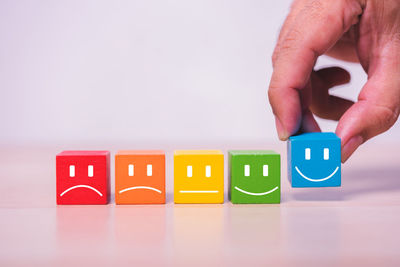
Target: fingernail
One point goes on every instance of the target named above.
(282, 133)
(351, 146)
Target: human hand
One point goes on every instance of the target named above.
(364, 31)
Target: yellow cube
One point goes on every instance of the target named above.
(198, 176)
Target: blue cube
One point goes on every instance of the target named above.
(314, 160)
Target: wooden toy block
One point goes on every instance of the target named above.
(198, 176)
(255, 176)
(83, 177)
(314, 160)
(140, 177)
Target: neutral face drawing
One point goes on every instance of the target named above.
(198, 176)
(207, 174)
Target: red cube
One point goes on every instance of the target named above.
(83, 177)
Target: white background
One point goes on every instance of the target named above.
(130, 71)
(156, 74)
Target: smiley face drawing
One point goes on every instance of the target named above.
(314, 160)
(255, 177)
(140, 177)
(82, 177)
(198, 176)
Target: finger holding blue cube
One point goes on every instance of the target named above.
(314, 160)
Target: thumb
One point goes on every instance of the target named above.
(375, 112)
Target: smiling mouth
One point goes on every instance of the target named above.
(140, 187)
(316, 180)
(81, 186)
(256, 194)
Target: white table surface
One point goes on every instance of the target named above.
(357, 224)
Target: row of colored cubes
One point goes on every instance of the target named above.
(83, 176)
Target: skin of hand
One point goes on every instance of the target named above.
(364, 31)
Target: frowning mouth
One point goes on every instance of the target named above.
(81, 186)
(316, 180)
(140, 187)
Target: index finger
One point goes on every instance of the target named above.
(317, 26)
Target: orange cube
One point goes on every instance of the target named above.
(140, 177)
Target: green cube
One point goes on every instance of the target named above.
(255, 176)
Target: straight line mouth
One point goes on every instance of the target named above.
(198, 191)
